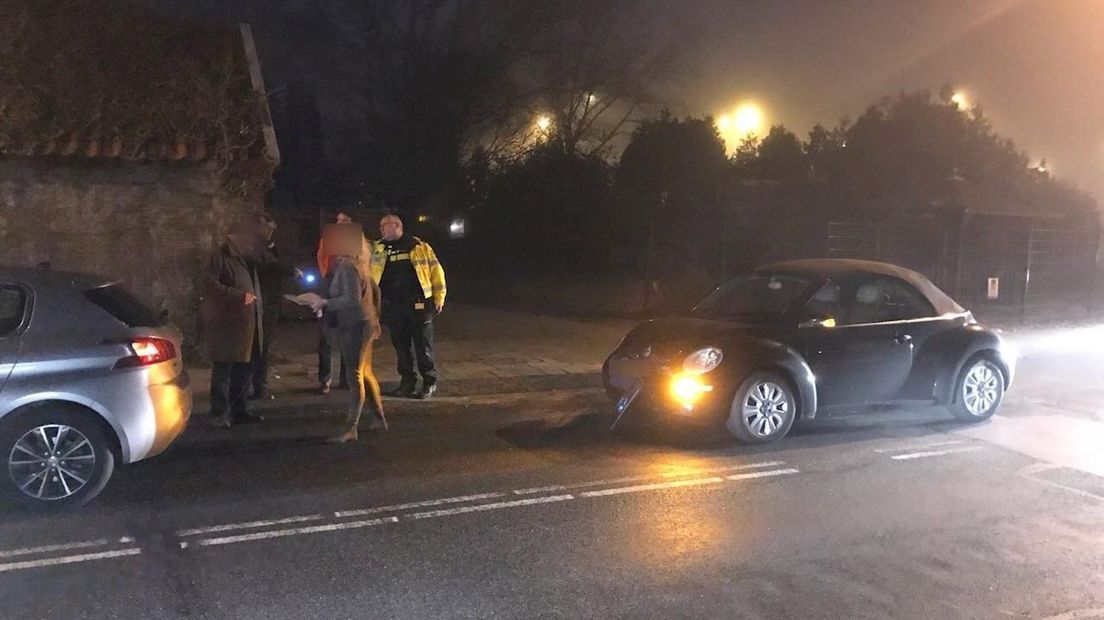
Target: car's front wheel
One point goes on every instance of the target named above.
(763, 409)
(54, 457)
(979, 391)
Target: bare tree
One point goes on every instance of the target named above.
(609, 66)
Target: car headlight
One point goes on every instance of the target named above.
(702, 361)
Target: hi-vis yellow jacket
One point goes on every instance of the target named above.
(430, 273)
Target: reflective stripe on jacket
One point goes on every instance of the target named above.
(430, 273)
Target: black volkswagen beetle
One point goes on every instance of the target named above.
(788, 340)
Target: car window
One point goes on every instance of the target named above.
(123, 306)
(13, 303)
(754, 298)
(879, 299)
(827, 303)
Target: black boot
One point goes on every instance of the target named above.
(405, 390)
(427, 391)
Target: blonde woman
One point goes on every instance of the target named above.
(352, 302)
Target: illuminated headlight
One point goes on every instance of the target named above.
(702, 361)
(687, 389)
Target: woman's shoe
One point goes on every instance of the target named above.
(350, 434)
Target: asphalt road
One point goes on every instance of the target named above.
(521, 506)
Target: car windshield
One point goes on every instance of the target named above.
(753, 298)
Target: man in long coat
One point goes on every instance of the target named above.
(232, 324)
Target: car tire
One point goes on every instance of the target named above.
(763, 409)
(70, 445)
(979, 390)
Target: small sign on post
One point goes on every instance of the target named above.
(994, 288)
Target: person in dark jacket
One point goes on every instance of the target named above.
(352, 302)
(272, 270)
(232, 324)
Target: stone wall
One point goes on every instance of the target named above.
(152, 226)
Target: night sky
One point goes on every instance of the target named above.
(1036, 66)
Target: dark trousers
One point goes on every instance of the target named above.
(325, 358)
(230, 384)
(261, 361)
(412, 335)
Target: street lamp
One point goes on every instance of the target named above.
(749, 118)
(960, 100)
(543, 122)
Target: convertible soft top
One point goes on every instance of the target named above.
(837, 267)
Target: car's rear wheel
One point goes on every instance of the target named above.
(54, 457)
(763, 409)
(979, 391)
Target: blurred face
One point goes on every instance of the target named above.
(343, 218)
(343, 239)
(391, 227)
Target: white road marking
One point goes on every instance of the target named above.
(602, 483)
(925, 446)
(249, 525)
(68, 559)
(495, 506)
(931, 453)
(762, 474)
(87, 544)
(583, 485)
(314, 529)
(1037, 468)
(652, 487)
(431, 502)
(715, 470)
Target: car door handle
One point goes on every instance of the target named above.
(903, 339)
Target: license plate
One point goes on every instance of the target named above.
(626, 401)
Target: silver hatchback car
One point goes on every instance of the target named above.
(89, 376)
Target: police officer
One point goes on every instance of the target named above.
(412, 283)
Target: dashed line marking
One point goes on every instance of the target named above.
(495, 506)
(714, 470)
(424, 504)
(763, 474)
(932, 453)
(926, 446)
(601, 483)
(652, 487)
(68, 559)
(314, 529)
(228, 527)
(87, 544)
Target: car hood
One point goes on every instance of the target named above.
(669, 337)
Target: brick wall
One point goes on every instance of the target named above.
(150, 226)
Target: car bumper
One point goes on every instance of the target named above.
(172, 407)
(150, 415)
(646, 396)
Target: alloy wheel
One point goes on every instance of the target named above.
(981, 388)
(52, 462)
(766, 408)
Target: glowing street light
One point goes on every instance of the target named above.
(724, 122)
(748, 118)
(543, 122)
(960, 100)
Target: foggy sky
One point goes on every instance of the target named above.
(1036, 66)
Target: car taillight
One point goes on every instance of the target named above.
(146, 352)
